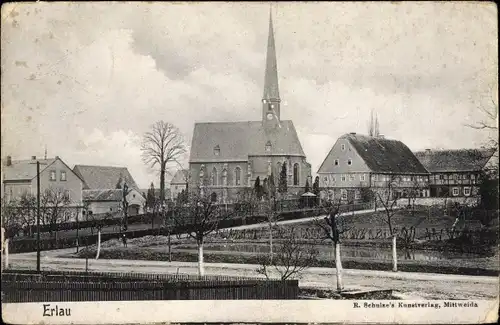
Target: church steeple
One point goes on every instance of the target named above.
(271, 98)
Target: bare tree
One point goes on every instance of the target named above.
(26, 212)
(11, 222)
(201, 216)
(161, 146)
(387, 196)
(98, 222)
(333, 226)
(269, 207)
(54, 203)
(292, 256)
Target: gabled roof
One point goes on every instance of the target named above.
(381, 155)
(102, 195)
(104, 177)
(25, 170)
(238, 140)
(459, 160)
(180, 177)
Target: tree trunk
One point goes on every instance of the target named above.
(394, 254)
(338, 267)
(6, 252)
(271, 244)
(162, 184)
(98, 244)
(169, 248)
(201, 269)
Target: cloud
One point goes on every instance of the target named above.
(85, 87)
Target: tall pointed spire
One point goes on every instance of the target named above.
(271, 98)
(271, 90)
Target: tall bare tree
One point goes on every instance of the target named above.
(54, 203)
(162, 145)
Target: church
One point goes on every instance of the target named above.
(227, 157)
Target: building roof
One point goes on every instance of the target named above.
(104, 177)
(381, 155)
(144, 191)
(459, 160)
(238, 140)
(102, 195)
(180, 177)
(25, 170)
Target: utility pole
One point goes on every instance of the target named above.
(38, 216)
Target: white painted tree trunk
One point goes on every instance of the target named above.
(271, 243)
(394, 254)
(6, 252)
(338, 267)
(98, 244)
(201, 268)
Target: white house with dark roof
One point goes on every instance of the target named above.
(178, 183)
(20, 177)
(455, 173)
(102, 189)
(227, 157)
(358, 162)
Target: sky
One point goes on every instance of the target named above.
(87, 80)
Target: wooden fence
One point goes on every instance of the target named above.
(78, 286)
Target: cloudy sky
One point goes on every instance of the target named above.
(86, 80)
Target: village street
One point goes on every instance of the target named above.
(408, 285)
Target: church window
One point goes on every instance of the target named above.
(214, 176)
(336, 162)
(349, 162)
(342, 146)
(217, 150)
(268, 146)
(237, 176)
(278, 168)
(296, 174)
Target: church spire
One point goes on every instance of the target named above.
(271, 98)
(271, 90)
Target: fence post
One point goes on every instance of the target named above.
(6, 251)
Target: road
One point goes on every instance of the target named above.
(409, 285)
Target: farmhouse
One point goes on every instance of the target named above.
(357, 163)
(455, 173)
(103, 189)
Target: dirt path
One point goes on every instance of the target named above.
(410, 285)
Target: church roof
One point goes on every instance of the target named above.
(459, 160)
(238, 140)
(381, 155)
(104, 177)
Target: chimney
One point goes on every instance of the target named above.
(427, 150)
(9, 161)
(57, 157)
(33, 157)
(353, 133)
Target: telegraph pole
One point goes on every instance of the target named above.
(38, 216)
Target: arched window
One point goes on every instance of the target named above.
(213, 197)
(214, 176)
(237, 176)
(278, 169)
(296, 174)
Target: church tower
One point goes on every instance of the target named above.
(271, 98)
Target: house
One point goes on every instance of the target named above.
(19, 177)
(359, 162)
(102, 189)
(227, 157)
(455, 173)
(178, 183)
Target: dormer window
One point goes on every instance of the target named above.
(268, 146)
(217, 150)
